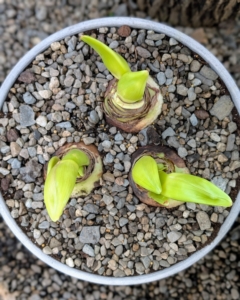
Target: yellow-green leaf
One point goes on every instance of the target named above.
(78, 156)
(52, 162)
(131, 86)
(189, 188)
(145, 174)
(113, 61)
(58, 187)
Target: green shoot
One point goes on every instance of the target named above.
(133, 99)
(113, 61)
(164, 188)
(61, 179)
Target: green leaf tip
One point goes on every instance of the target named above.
(78, 156)
(145, 174)
(61, 179)
(190, 188)
(131, 86)
(113, 61)
(169, 189)
(58, 187)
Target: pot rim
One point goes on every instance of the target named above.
(137, 23)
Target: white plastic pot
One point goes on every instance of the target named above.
(140, 24)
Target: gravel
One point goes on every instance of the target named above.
(211, 283)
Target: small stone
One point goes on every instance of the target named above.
(36, 233)
(208, 73)
(201, 114)
(54, 243)
(232, 127)
(15, 149)
(55, 46)
(192, 143)
(222, 107)
(93, 117)
(123, 221)
(139, 268)
(45, 94)
(28, 98)
(113, 44)
(203, 220)
(220, 182)
(124, 31)
(195, 66)
(69, 262)
(54, 83)
(41, 121)
(161, 78)
(215, 137)
(173, 236)
(88, 140)
(68, 81)
(47, 250)
(182, 90)
(193, 120)
(182, 152)
(44, 225)
(191, 94)
(90, 234)
(26, 116)
(230, 142)
(12, 135)
(27, 77)
(168, 132)
(172, 42)
(91, 208)
(143, 52)
(119, 250)
(107, 199)
(88, 250)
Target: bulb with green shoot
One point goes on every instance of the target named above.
(74, 171)
(159, 177)
(133, 99)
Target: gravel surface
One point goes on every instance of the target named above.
(198, 282)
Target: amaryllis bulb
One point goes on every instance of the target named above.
(153, 164)
(133, 99)
(73, 171)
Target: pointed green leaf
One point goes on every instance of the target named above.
(113, 61)
(52, 162)
(157, 197)
(78, 156)
(58, 187)
(131, 86)
(145, 174)
(189, 188)
(81, 171)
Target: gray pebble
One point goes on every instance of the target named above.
(93, 117)
(28, 98)
(161, 78)
(168, 132)
(143, 52)
(26, 115)
(203, 220)
(193, 120)
(208, 73)
(182, 90)
(222, 107)
(91, 208)
(174, 236)
(90, 234)
(182, 152)
(220, 182)
(88, 250)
